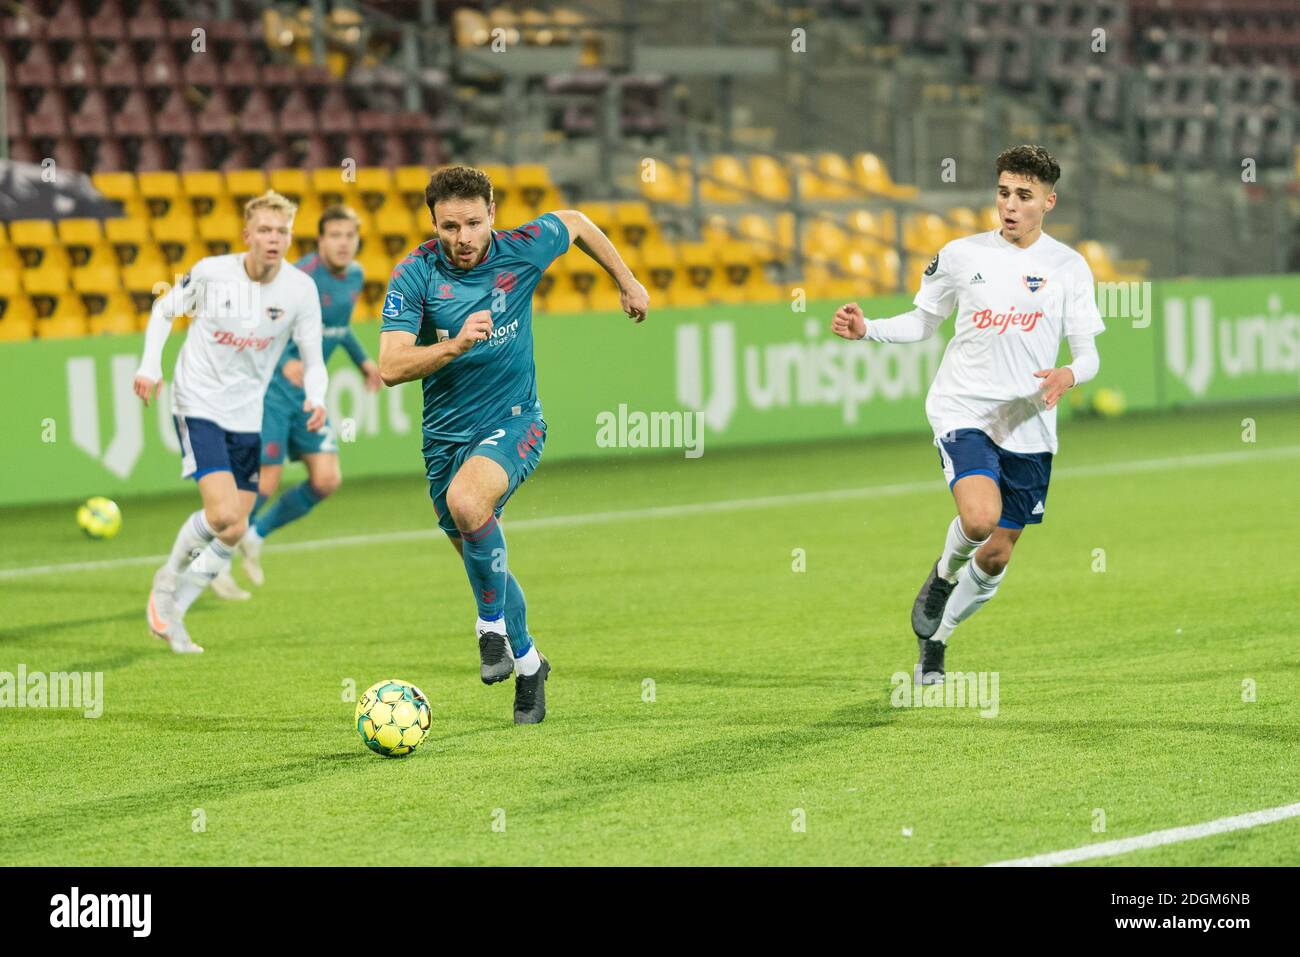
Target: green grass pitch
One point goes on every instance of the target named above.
(1120, 691)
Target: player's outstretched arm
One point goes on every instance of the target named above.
(401, 359)
(850, 323)
(588, 237)
(177, 300)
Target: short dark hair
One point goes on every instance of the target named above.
(1030, 161)
(457, 182)
(338, 211)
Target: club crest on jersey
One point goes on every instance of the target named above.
(445, 291)
(505, 281)
(392, 305)
(274, 312)
(1034, 283)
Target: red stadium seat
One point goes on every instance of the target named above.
(134, 117)
(92, 118)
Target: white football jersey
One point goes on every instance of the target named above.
(238, 330)
(1014, 306)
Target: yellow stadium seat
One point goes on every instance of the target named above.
(244, 184)
(376, 190)
(634, 221)
(502, 178)
(824, 238)
(203, 188)
(565, 301)
(873, 177)
(17, 317)
(334, 184)
(411, 182)
(79, 237)
(48, 279)
(512, 215)
(97, 279)
(33, 238)
(117, 317)
(837, 176)
(470, 27)
(602, 215)
(532, 181)
(962, 221)
(161, 191)
(924, 234)
(294, 183)
(118, 186)
(805, 174)
(126, 237)
(663, 182)
(768, 177)
(178, 228)
(726, 182)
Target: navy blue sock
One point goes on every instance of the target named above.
(293, 504)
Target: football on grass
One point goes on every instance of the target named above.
(393, 717)
(99, 517)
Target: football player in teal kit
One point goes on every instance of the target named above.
(338, 279)
(458, 315)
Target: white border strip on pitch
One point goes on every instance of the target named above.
(1202, 460)
(1174, 835)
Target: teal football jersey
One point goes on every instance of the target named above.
(431, 298)
(338, 296)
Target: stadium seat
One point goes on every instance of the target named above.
(244, 184)
(769, 178)
(204, 189)
(726, 180)
(79, 238)
(664, 182)
(411, 182)
(162, 193)
(873, 177)
(837, 176)
(533, 182)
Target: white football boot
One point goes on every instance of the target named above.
(250, 552)
(225, 586)
(161, 613)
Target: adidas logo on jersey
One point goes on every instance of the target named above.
(977, 278)
(1038, 509)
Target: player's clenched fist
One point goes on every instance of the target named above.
(147, 388)
(849, 323)
(477, 328)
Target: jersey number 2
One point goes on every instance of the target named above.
(492, 439)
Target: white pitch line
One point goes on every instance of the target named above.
(1173, 835)
(1203, 460)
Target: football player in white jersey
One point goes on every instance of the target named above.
(992, 405)
(244, 307)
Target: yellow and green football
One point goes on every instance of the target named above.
(393, 717)
(99, 517)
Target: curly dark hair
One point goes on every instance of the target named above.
(1032, 161)
(457, 182)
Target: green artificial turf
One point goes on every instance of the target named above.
(1119, 690)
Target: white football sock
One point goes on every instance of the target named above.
(194, 534)
(529, 663)
(957, 550)
(974, 587)
(496, 627)
(252, 536)
(211, 561)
